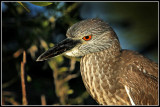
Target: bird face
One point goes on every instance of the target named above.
(84, 37)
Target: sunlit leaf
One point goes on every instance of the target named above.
(52, 19)
(45, 23)
(20, 10)
(70, 91)
(24, 6)
(32, 50)
(59, 59)
(51, 44)
(44, 44)
(63, 69)
(29, 79)
(41, 3)
(72, 7)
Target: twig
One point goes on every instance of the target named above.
(24, 99)
(24, 6)
(9, 83)
(12, 101)
(60, 83)
(8, 93)
(72, 64)
(69, 77)
(43, 100)
(18, 53)
(56, 81)
(80, 99)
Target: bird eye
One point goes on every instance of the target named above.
(87, 38)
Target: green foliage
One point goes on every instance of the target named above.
(35, 3)
(29, 79)
(63, 69)
(41, 3)
(59, 59)
(24, 6)
(34, 36)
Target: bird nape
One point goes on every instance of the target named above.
(111, 75)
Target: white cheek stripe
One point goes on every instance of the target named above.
(70, 53)
(127, 90)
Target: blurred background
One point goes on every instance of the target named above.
(35, 27)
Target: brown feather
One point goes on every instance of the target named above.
(106, 79)
(141, 76)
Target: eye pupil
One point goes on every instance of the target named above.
(87, 37)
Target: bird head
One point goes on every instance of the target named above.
(85, 37)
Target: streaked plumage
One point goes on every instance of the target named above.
(111, 75)
(106, 80)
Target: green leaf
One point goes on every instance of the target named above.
(44, 44)
(41, 3)
(51, 45)
(24, 6)
(45, 23)
(70, 91)
(59, 59)
(29, 79)
(63, 69)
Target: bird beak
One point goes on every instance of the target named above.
(58, 49)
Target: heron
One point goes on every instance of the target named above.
(111, 75)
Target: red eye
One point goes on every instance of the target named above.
(87, 38)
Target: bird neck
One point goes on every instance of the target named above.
(108, 57)
(110, 53)
(97, 69)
